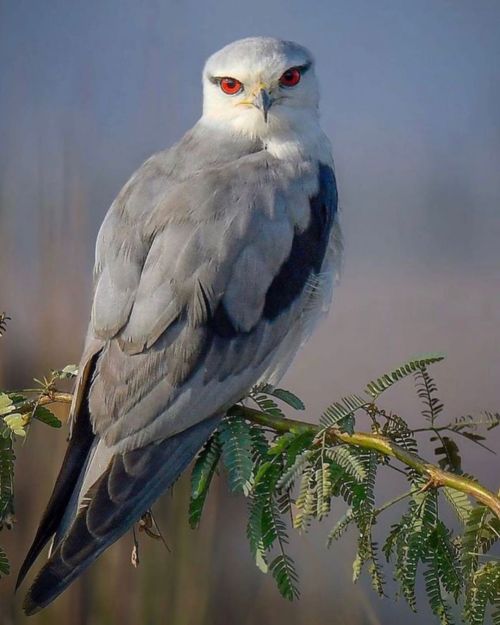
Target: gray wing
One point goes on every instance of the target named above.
(193, 298)
(198, 283)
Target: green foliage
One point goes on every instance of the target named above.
(487, 420)
(426, 390)
(459, 502)
(295, 475)
(485, 588)
(201, 478)
(376, 387)
(235, 436)
(17, 412)
(341, 413)
(44, 415)
(301, 472)
(4, 563)
(283, 571)
(3, 322)
(287, 397)
(7, 458)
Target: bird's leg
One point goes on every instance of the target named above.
(149, 526)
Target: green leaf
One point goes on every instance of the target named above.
(6, 404)
(350, 459)
(341, 413)
(266, 404)
(281, 443)
(392, 539)
(446, 558)
(69, 371)
(488, 420)
(201, 478)
(306, 500)
(265, 525)
(472, 539)
(260, 444)
(378, 386)
(4, 563)
(495, 602)
(262, 471)
(323, 490)
(46, 416)
(16, 422)
(7, 459)
(292, 472)
(235, 436)
(435, 595)
(459, 502)
(375, 571)
(426, 391)
(398, 430)
(300, 442)
(411, 541)
(283, 571)
(288, 398)
(255, 533)
(483, 590)
(340, 526)
(448, 448)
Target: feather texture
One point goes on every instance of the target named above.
(212, 266)
(128, 487)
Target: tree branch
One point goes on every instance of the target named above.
(383, 445)
(50, 397)
(366, 440)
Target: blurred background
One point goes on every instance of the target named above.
(411, 101)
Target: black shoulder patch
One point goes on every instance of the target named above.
(305, 258)
(308, 248)
(220, 323)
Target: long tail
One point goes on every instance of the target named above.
(67, 480)
(128, 487)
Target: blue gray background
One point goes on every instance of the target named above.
(411, 101)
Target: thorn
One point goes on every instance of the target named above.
(432, 482)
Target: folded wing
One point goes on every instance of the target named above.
(199, 282)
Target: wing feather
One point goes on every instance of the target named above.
(211, 288)
(202, 285)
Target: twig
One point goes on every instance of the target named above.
(50, 397)
(382, 445)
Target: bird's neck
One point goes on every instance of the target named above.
(308, 143)
(282, 138)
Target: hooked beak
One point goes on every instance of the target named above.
(263, 102)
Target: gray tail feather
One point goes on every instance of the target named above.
(72, 507)
(129, 486)
(76, 455)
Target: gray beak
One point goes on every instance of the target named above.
(263, 101)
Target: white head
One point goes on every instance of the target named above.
(261, 87)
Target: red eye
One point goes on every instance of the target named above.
(231, 86)
(290, 78)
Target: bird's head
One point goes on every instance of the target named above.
(260, 85)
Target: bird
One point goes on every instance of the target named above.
(213, 265)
